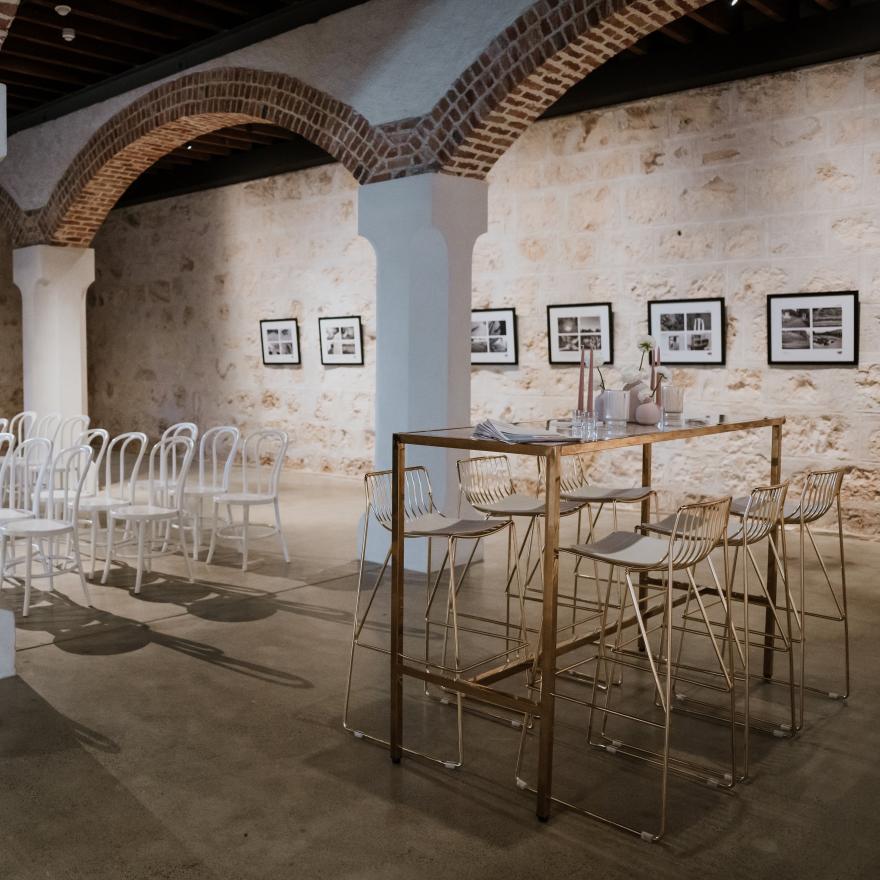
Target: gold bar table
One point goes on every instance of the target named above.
(481, 686)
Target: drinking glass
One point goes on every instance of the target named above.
(616, 410)
(673, 404)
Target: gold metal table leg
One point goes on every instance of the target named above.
(398, 464)
(775, 479)
(548, 634)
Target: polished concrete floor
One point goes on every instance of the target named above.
(193, 731)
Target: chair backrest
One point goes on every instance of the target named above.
(122, 466)
(821, 490)
(4, 424)
(47, 426)
(418, 499)
(262, 457)
(64, 482)
(182, 429)
(699, 527)
(485, 479)
(170, 462)
(7, 452)
(217, 450)
(28, 478)
(572, 475)
(70, 430)
(763, 511)
(97, 439)
(21, 424)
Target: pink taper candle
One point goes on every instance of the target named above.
(581, 384)
(658, 379)
(590, 385)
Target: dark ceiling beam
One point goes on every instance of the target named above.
(286, 19)
(771, 8)
(40, 70)
(172, 12)
(829, 5)
(69, 63)
(713, 18)
(677, 33)
(241, 8)
(85, 46)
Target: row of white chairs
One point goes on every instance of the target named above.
(52, 497)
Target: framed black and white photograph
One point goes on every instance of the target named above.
(813, 328)
(576, 328)
(493, 336)
(689, 331)
(342, 341)
(280, 341)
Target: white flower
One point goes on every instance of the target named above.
(598, 361)
(646, 344)
(663, 373)
(645, 395)
(630, 377)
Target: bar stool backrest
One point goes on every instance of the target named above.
(97, 439)
(70, 430)
(262, 457)
(28, 474)
(217, 450)
(572, 475)
(763, 511)
(699, 528)
(821, 490)
(7, 451)
(170, 461)
(485, 479)
(66, 477)
(418, 499)
(21, 424)
(122, 466)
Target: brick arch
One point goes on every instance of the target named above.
(180, 110)
(550, 47)
(11, 216)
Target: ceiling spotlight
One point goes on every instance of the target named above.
(68, 34)
(62, 9)
(189, 146)
(734, 2)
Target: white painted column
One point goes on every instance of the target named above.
(53, 282)
(423, 230)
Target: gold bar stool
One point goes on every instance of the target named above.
(760, 517)
(697, 530)
(821, 492)
(423, 520)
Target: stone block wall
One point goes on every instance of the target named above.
(11, 397)
(769, 185)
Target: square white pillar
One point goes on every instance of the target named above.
(53, 282)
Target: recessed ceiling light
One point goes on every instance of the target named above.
(189, 146)
(69, 34)
(62, 9)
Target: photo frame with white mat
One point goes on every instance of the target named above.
(493, 336)
(342, 341)
(813, 328)
(689, 331)
(279, 339)
(574, 328)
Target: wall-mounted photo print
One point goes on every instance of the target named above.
(493, 336)
(813, 328)
(576, 328)
(688, 331)
(280, 341)
(342, 341)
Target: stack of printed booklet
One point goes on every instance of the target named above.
(492, 429)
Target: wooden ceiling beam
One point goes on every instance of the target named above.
(85, 44)
(714, 18)
(243, 9)
(828, 5)
(41, 71)
(677, 33)
(174, 12)
(771, 8)
(18, 51)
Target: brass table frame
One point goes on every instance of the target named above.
(479, 686)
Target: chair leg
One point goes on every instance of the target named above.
(245, 519)
(453, 589)
(79, 567)
(189, 571)
(280, 532)
(142, 525)
(214, 526)
(94, 540)
(111, 529)
(356, 623)
(2, 560)
(29, 558)
(197, 530)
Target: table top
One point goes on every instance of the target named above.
(631, 435)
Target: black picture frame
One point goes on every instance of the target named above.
(280, 360)
(688, 357)
(606, 306)
(328, 358)
(486, 358)
(776, 350)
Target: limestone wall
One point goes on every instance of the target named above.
(10, 336)
(763, 186)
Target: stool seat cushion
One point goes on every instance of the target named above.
(608, 494)
(435, 525)
(523, 505)
(626, 549)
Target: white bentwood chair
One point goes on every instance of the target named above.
(262, 457)
(170, 461)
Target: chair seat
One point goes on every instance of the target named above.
(608, 494)
(243, 498)
(202, 491)
(435, 525)
(7, 515)
(791, 511)
(627, 550)
(100, 502)
(664, 527)
(25, 528)
(523, 505)
(143, 511)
